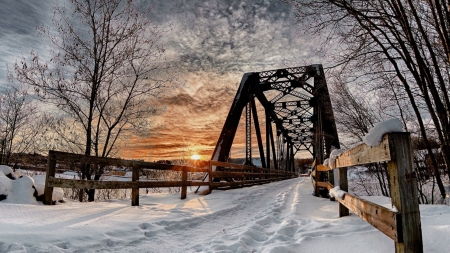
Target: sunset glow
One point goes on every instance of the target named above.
(195, 157)
(210, 55)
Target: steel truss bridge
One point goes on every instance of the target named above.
(298, 117)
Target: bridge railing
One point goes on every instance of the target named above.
(228, 175)
(402, 223)
(235, 175)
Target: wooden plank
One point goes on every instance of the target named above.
(321, 167)
(403, 191)
(92, 184)
(363, 154)
(162, 184)
(226, 174)
(232, 165)
(378, 216)
(182, 168)
(325, 185)
(256, 170)
(237, 183)
(198, 183)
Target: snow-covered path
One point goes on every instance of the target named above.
(276, 217)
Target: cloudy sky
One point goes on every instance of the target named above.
(215, 42)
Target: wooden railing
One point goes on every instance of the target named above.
(402, 226)
(235, 175)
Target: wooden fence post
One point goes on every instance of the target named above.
(317, 188)
(184, 177)
(331, 177)
(404, 193)
(135, 190)
(260, 170)
(51, 168)
(343, 184)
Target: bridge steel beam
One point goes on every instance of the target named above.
(328, 124)
(258, 134)
(298, 107)
(268, 134)
(225, 141)
(274, 152)
(248, 133)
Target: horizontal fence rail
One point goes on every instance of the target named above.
(382, 218)
(237, 175)
(402, 226)
(222, 175)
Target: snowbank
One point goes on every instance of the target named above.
(23, 189)
(16, 190)
(5, 186)
(7, 171)
(374, 137)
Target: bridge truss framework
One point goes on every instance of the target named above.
(298, 117)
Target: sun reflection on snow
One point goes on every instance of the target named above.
(198, 207)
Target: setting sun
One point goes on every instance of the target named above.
(195, 157)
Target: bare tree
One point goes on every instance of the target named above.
(18, 121)
(107, 62)
(403, 39)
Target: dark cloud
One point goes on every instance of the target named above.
(234, 36)
(18, 35)
(214, 43)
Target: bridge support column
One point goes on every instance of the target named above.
(258, 134)
(268, 137)
(248, 133)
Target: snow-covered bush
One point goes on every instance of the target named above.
(23, 189)
(5, 186)
(7, 171)
(16, 190)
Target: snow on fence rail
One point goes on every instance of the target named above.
(235, 175)
(403, 224)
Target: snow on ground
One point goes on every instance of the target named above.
(278, 217)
